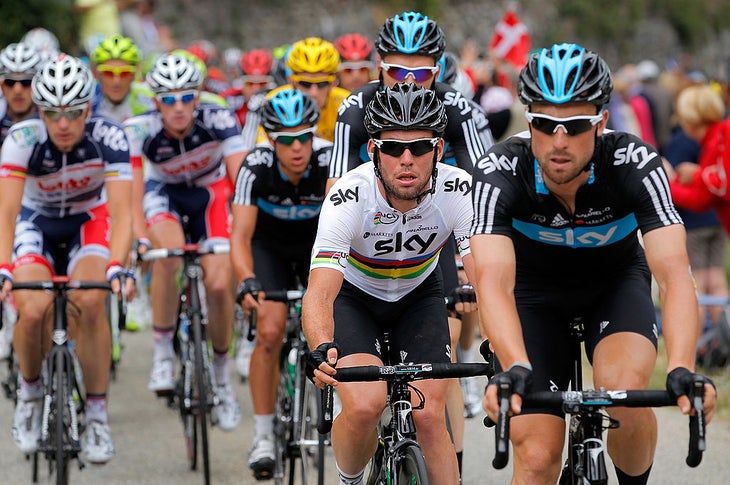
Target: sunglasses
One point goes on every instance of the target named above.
(12, 82)
(321, 83)
(169, 99)
(55, 114)
(395, 148)
(356, 66)
(257, 80)
(116, 71)
(400, 73)
(288, 138)
(573, 125)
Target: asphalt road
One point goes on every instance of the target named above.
(150, 447)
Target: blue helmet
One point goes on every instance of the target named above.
(411, 33)
(289, 108)
(565, 73)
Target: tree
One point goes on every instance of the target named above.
(19, 16)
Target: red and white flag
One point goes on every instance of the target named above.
(511, 40)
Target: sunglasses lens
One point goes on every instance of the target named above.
(12, 82)
(171, 99)
(187, 98)
(396, 149)
(70, 114)
(167, 99)
(308, 84)
(572, 127)
(400, 74)
(289, 139)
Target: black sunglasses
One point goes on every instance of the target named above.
(395, 148)
(11, 82)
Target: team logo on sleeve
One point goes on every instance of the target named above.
(457, 185)
(492, 162)
(640, 155)
(342, 196)
(25, 136)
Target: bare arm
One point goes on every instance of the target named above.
(139, 223)
(233, 164)
(119, 194)
(495, 265)
(318, 312)
(242, 229)
(666, 254)
(10, 202)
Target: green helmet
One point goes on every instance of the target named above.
(116, 47)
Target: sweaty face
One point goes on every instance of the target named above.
(63, 131)
(407, 175)
(177, 109)
(563, 157)
(115, 77)
(293, 151)
(17, 94)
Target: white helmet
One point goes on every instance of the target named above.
(172, 72)
(19, 58)
(64, 81)
(43, 41)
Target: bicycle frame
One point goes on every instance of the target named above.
(196, 395)
(60, 428)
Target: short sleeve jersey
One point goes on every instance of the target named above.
(467, 134)
(197, 159)
(59, 184)
(288, 213)
(382, 251)
(627, 191)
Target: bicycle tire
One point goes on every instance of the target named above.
(410, 466)
(282, 433)
(310, 442)
(201, 389)
(60, 380)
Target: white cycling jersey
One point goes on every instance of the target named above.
(382, 251)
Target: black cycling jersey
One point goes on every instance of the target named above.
(288, 213)
(627, 190)
(467, 133)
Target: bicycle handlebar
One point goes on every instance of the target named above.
(62, 283)
(188, 249)
(574, 402)
(405, 372)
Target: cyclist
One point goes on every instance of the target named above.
(374, 268)
(117, 96)
(312, 64)
(556, 213)
(18, 63)
(356, 61)
(410, 46)
(256, 67)
(42, 40)
(67, 179)
(188, 148)
(279, 193)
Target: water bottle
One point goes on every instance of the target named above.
(291, 368)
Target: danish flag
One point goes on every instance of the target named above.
(511, 40)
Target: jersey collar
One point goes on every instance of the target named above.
(540, 186)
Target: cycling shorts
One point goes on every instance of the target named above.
(278, 266)
(206, 208)
(59, 243)
(417, 323)
(621, 304)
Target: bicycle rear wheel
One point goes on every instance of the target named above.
(410, 466)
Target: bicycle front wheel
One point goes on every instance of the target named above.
(410, 466)
(60, 413)
(202, 389)
(310, 442)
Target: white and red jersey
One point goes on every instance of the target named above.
(60, 184)
(195, 160)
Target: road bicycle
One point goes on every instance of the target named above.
(63, 395)
(299, 448)
(398, 458)
(195, 392)
(586, 461)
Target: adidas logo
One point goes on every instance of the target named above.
(558, 221)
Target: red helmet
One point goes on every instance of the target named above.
(354, 47)
(256, 62)
(203, 50)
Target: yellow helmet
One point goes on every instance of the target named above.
(313, 55)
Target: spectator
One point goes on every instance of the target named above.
(98, 19)
(659, 100)
(138, 21)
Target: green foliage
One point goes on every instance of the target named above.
(19, 16)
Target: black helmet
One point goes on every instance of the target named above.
(288, 108)
(565, 73)
(411, 33)
(405, 106)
